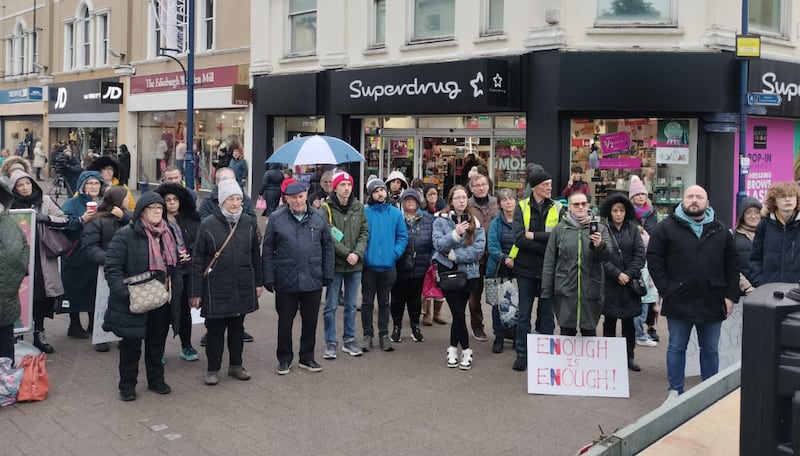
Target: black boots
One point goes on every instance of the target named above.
(40, 342)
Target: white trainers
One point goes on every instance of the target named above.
(647, 343)
(452, 356)
(671, 397)
(466, 359)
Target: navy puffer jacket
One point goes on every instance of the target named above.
(419, 247)
(776, 251)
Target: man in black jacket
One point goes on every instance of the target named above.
(534, 219)
(692, 260)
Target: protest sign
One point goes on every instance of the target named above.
(100, 305)
(577, 366)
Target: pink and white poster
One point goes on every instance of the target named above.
(771, 147)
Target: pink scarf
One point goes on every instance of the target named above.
(158, 260)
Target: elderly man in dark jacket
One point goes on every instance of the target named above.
(226, 279)
(692, 260)
(298, 260)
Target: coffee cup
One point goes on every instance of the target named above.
(91, 207)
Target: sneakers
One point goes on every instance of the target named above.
(386, 344)
(520, 364)
(310, 365)
(466, 359)
(396, 335)
(101, 347)
(352, 348)
(479, 335)
(452, 357)
(40, 342)
(366, 343)
(212, 378)
(673, 394)
(127, 395)
(647, 342)
(246, 337)
(653, 334)
(416, 334)
(497, 345)
(189, 354)
(203, 340)
(330, 351)
(239, 373)
(77, 332)
(283, 368)
(160, 388)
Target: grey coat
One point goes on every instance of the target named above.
(567, 256)
(50, 271)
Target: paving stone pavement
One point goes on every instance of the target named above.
(396, 403)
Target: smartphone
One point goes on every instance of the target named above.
(594, 227)
(464, 218)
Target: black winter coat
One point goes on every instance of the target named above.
(127, 255)
(271, 189)
(744, 247)
(229, 289)
(97, 235)
(775, 256)
(694, 276)
(629, 258)
(530, 258)
(298, 255)
(419, 248)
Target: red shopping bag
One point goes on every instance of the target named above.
(429, 288)
(35, 382)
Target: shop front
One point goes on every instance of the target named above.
(21, 114)
(78, 115)
(772, 139)
(429, 120)
(219, 121)
(619, 114)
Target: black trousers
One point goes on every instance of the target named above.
(458, 300)
(574, 332)
(376, 283)
(215, 341)
(628, 331)
(287, 305)
(130, 350)
(407, 292)
(185, 324)
(7, 342)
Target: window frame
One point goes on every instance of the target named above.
(785, 16)
(374, 43)
(671, 22)
(486, 29)
(102, 37)
(69, 44)
(412, 5)
(83, 37)
(156, 34)
(292, 52)
(203, 20)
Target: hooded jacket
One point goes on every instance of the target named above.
(744, 242)
(14, 258)
(128, 255)
(12, 162)
(76, 206)
(775, 256)
(387, 236)
(620, 301)
(103, 161)
(394, 198)
(419, 247)
(351, 221)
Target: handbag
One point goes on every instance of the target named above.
(261, 203)
(35, 381)
(638, 286)
(53, 242)
(146, 292)
(451, 280)
(10, 379)
(429, 288)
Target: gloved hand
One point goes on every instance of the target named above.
(327, 282)
(270, 287)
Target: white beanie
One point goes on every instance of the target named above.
(226, 189)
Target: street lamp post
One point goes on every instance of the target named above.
(189, 158)
(743, 74)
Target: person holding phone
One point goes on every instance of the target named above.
(578, 256)
(576, 184)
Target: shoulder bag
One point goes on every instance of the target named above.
(53, 242)
(146, 292)
(637, 285)
(451, 280)
(219, 252)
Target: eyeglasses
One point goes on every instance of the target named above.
(579, 204)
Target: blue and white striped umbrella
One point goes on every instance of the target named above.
(315, 150)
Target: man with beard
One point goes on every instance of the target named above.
(692, 260)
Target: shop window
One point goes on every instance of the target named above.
(84, 38)
(509, 165)
(69, 46)
(661, 151)
(102, 39)
(493, 17)
(379, 18)
(636, 13)
(766, 17)
(433, 20)
(302, 27)
(206, 40)
(168, 23)
(511, 122)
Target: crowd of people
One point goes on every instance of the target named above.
(571, 265)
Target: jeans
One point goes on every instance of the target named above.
(708, 341)
(545, 319)
(215, 341)
(130, 350)
(376, 283)
(287, 305)
(407, 292)
(351, 281)
(638, 323)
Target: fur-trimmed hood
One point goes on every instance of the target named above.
(15, 162)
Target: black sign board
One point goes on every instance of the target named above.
(79, 97)
(111, 92)
(469, 86)
(782, 78)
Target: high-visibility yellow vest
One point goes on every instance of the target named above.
(550, 222)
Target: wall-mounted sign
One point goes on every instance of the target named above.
(481, 85)
(748, 47)
(203, 79)
(111, 92)
(21, 95)
(79, 97)
(241, 94)
(776, 78)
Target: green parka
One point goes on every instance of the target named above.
(14, 258)
(573, 276)
(352, 222)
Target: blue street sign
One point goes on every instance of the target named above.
(763, 99)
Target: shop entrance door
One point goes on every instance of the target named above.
(390, 153)
(444, 158)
